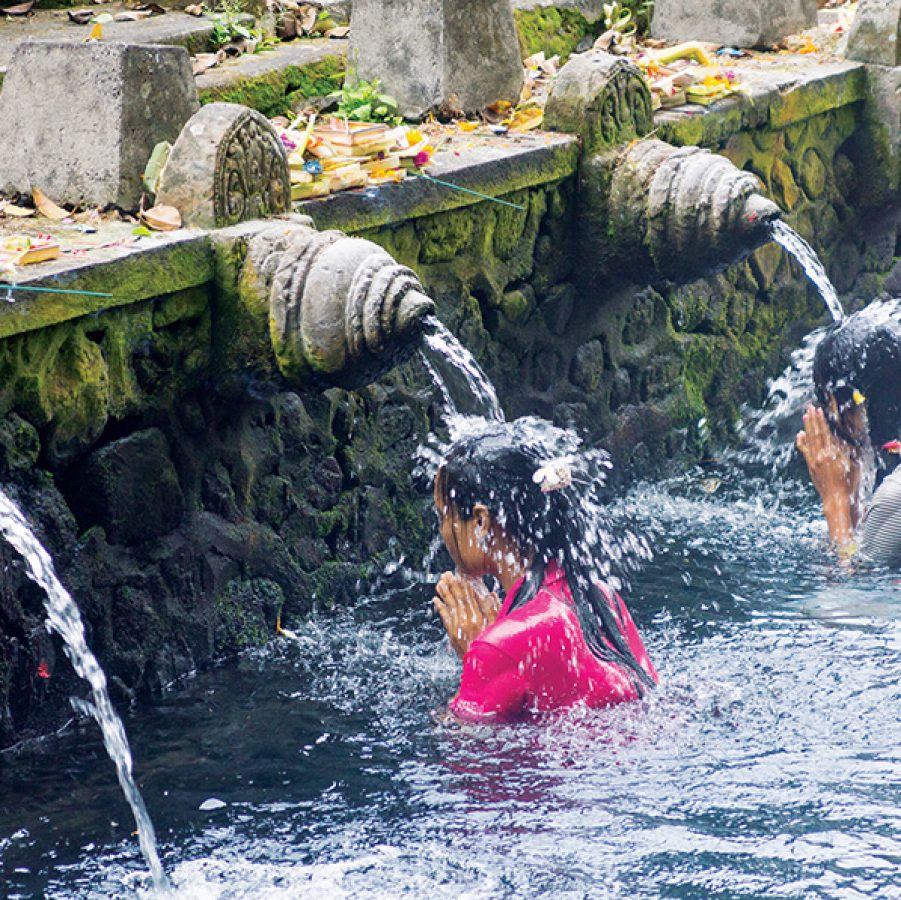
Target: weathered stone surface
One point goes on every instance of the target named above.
(338, 308)
(131, 488)
(602, 98)
(80, 120)
(227, 166)
(457, 54)
(683, 212)
(735, 23)
(876, 33)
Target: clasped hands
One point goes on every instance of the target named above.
(466, 608)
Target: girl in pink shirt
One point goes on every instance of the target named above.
(560, 637)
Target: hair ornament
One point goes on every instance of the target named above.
(553, 475)
(892, 446)
(858, 398)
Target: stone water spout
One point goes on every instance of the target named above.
(648, 209)
(684, 211)
(339, 309)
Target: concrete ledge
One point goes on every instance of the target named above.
(489, 165)
(781, 93)
(173, 28)
(173, 262)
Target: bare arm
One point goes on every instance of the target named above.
(835, 474)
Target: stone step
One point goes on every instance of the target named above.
(175, 27)
(266, 81)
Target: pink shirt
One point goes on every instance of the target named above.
(535, 659)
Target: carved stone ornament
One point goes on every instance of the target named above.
(340, 308)
(602, 98)
(684, 211)
(227, 166)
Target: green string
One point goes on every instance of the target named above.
(464, 190)
(12, 288)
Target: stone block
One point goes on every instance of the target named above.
(735, 23)
(81, 119)
(459, 54)
(227, 166)
(875, 35)
(131, 488)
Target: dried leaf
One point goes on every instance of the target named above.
(20, 9)
(306, 19)
(20, 212)
(497, 111)
(342, 31)
(526, 119)
(133, 15)
(152, 9)
(526, 92)
(162, 218)
(96, 34)
(47, 207)
(203, 61)
(286, 28)
(195, 9)
(80, 16)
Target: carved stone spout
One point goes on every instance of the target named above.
(340, 309)
(684, 211)
(649, 210)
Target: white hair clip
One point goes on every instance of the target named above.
(553, 475)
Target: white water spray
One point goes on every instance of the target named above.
(64, 618)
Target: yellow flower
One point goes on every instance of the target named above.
(858, 398)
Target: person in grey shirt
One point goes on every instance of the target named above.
(857, 374)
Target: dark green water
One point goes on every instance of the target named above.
(767, 765)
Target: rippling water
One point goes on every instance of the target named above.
(767, 765)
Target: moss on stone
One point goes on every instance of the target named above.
(554, 29)
(276, 93)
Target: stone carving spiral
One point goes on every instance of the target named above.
(686, 211)
(601, 97)
(341, 309)
(251, 177)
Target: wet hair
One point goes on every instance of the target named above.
(495, 464)
(863, 353)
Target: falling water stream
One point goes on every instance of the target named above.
(64, 618)
(793, 243)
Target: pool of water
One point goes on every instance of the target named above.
(766, 765)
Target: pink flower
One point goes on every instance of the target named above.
(421, 159)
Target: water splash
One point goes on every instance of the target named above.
(768, 433)
(793, 243)
(64, 618)
(448, 360)
(580, 509)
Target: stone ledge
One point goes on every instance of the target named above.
(270, 82)
(492, 166)
(178, 260)
(782, 92)
(172, 28)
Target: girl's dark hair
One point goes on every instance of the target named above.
(864, 355)
(495, 464)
